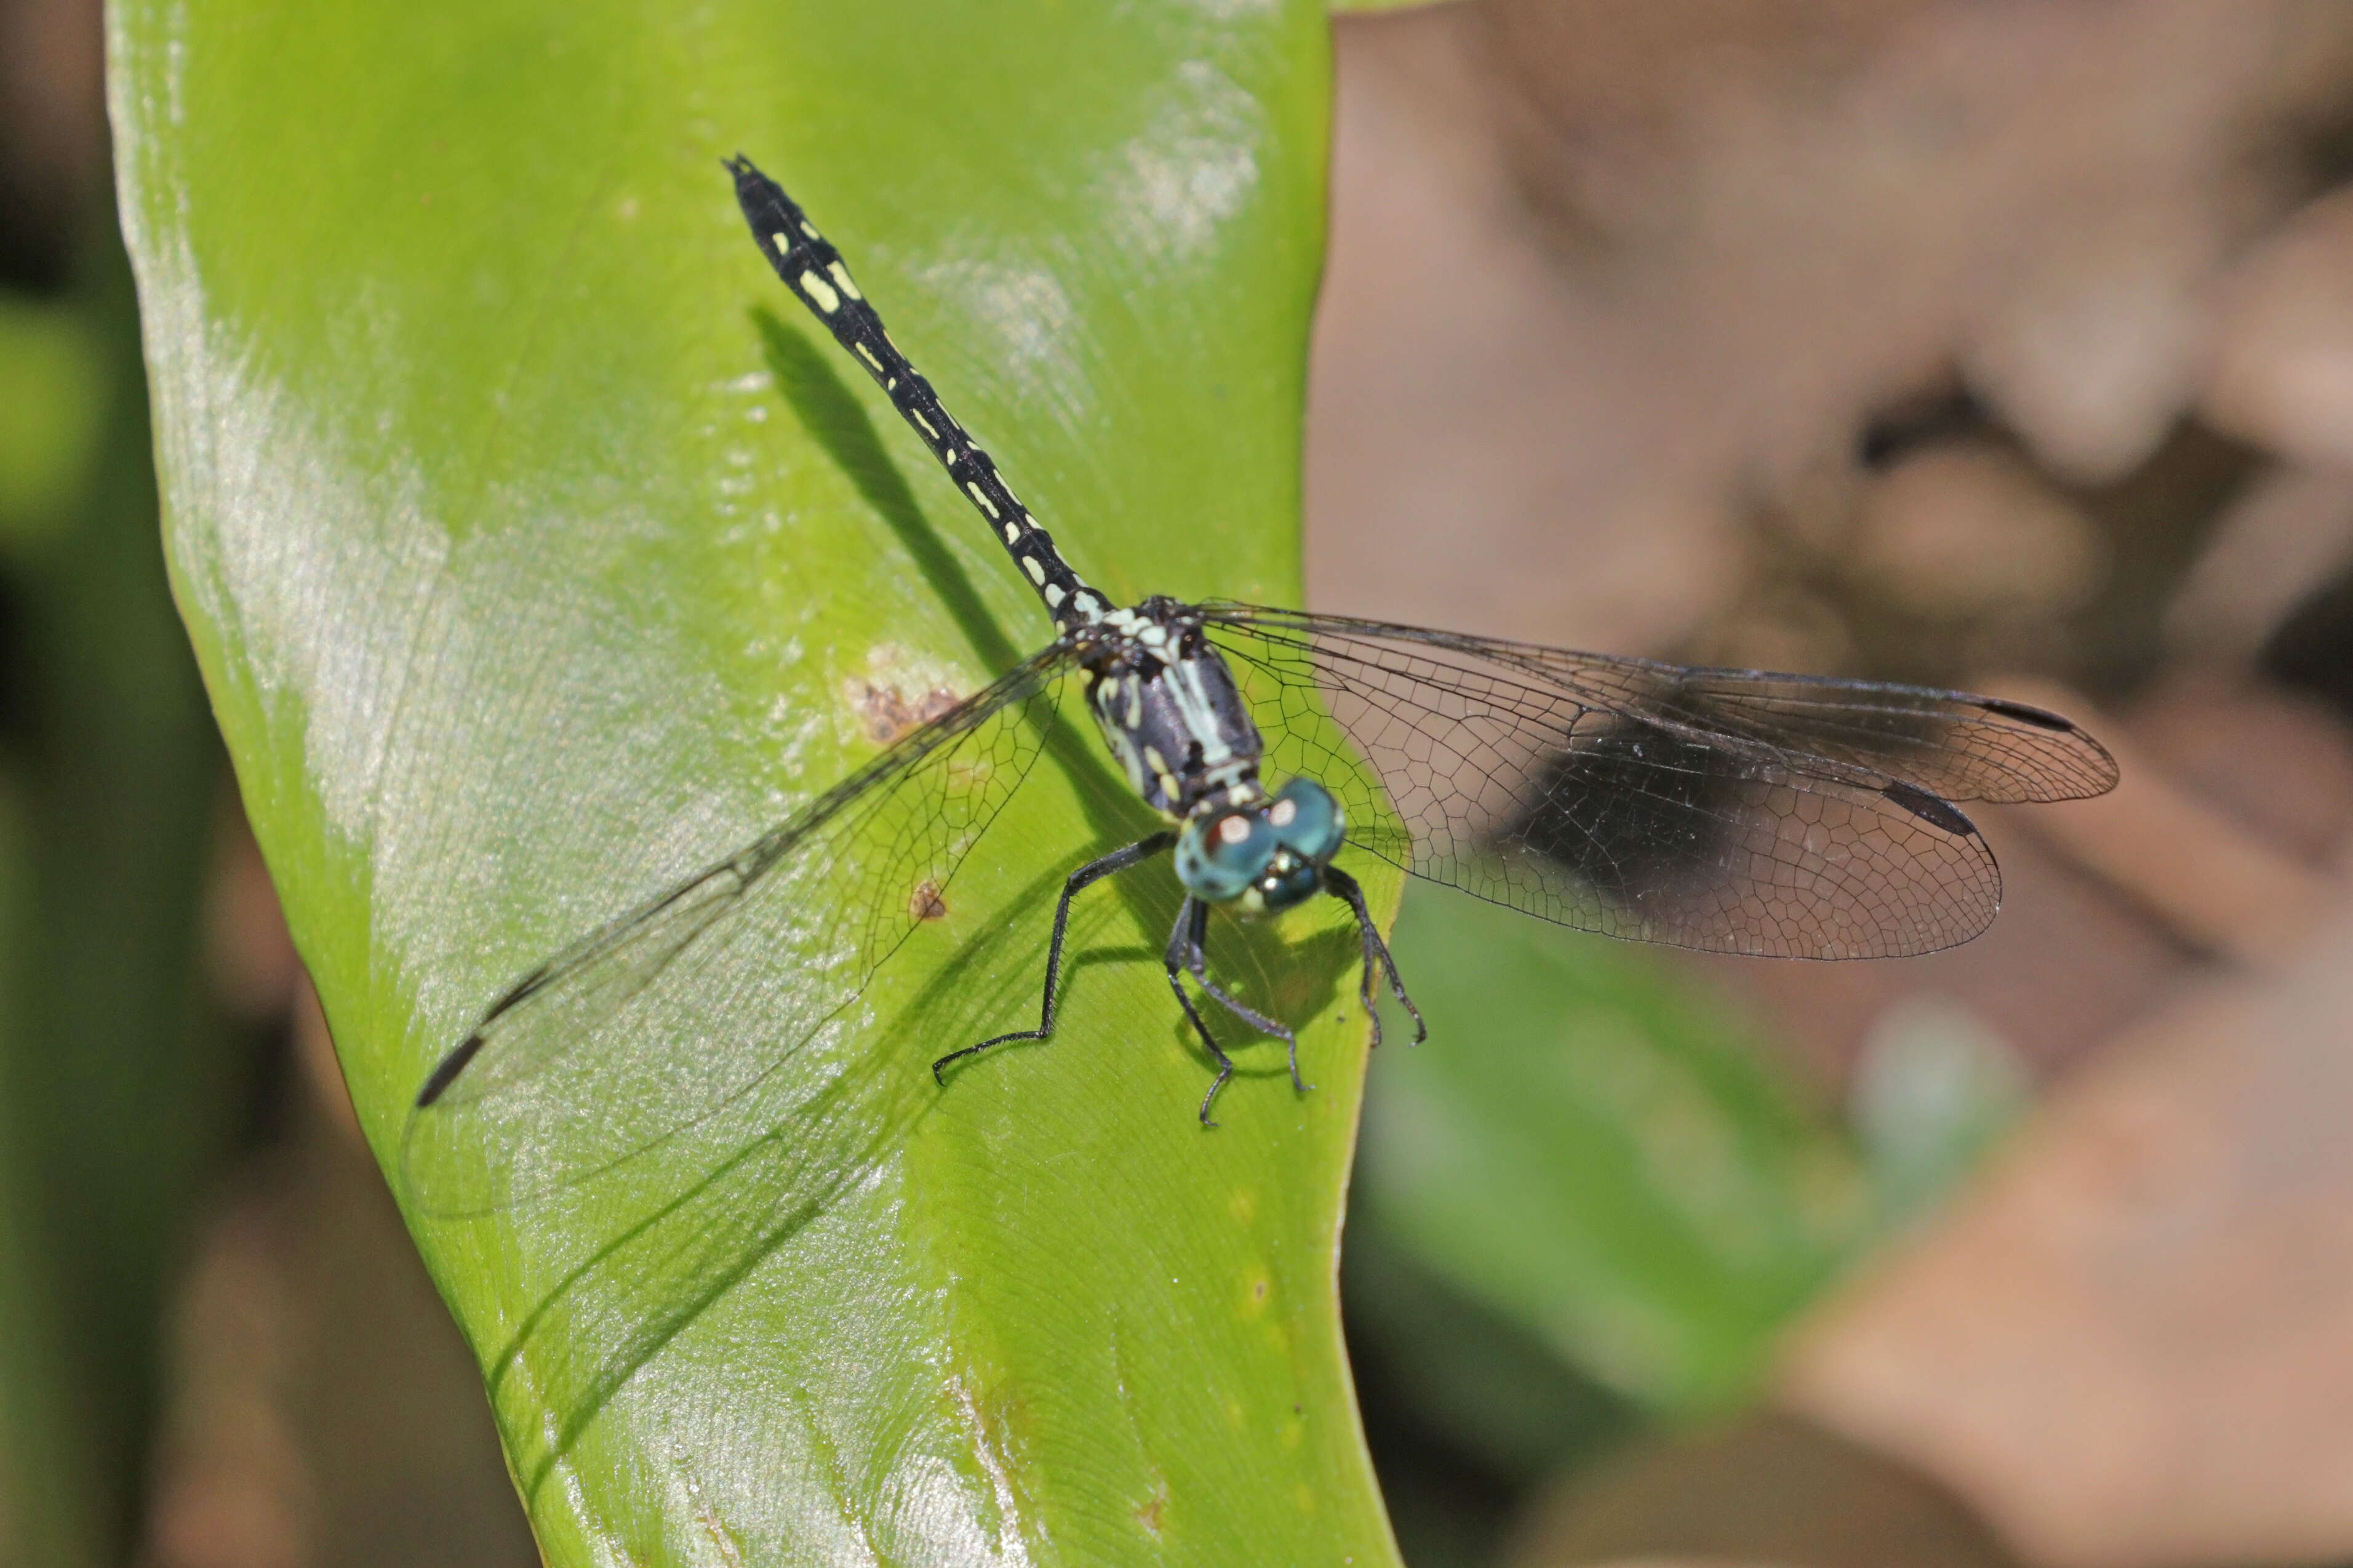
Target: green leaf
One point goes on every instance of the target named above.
(1603, 1157)
(537, 551)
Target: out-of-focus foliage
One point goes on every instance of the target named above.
(53, 386)
(114, 1091)
(1603, 1157)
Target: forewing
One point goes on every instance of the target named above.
(1721, 809)
(1954, 744)
(698, 1000)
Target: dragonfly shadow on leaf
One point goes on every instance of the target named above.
(829, 411)
(814, 389)
(1295, 975)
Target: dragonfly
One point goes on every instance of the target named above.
(1725, 811)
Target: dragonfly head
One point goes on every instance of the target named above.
(1267, 856)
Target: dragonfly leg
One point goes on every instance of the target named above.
(1197, 960)
(1344, 887)
(1094, 871)
(1184, 942)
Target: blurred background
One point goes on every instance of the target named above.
(2006, 346)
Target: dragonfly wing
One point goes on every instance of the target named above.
(691, 1003)
(1721, 809)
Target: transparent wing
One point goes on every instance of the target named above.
(1730, 810)
(684, 1006)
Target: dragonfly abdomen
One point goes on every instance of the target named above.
(818, 276)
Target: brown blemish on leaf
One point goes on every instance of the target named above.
(886, 714)
(926, 902)
(1148, 1511)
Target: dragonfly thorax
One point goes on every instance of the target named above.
(1169, 710)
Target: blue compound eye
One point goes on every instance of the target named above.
(1306, 820)
(1218, 857)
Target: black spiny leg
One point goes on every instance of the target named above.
(1183, 943)
(1119, 860)
(1342, 886)
(1187, 950)
(1197, 960)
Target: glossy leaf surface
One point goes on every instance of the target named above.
(537, 552)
